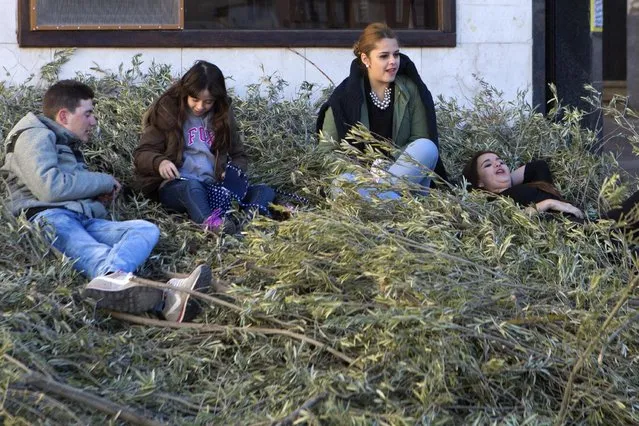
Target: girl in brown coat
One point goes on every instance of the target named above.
(188, 137)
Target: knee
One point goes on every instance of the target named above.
(424, 151)
(148, 230)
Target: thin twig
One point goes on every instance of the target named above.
(538, 319)
(561, 417)
(194, 407)
(312, 63)
(81, 396)
(250, 266)
(223, 271)
(37, 398)
(16, 362)
(217, 283)
(452, 257)
(195, 293)
(214, 300)
(212, 328)
(615, 334)
(309, 404)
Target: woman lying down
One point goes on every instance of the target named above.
(531, 186)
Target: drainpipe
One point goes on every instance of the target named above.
(632, 73)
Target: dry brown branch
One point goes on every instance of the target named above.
(83, 397)
(615, 334)
(210, 299)
(212, 328)
(561, 417)
(309, 404)
(538, 320)
(250, 266)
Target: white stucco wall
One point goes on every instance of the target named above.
(494, 42)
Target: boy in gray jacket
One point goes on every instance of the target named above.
(49, 183)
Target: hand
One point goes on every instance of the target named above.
(168, 170)
(108, 197)
(117, 187)
(559, 206)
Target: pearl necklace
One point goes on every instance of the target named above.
(384, 103)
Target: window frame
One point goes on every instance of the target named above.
(444, 36)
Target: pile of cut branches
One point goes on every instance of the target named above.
(445, 309)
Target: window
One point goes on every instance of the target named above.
(235, 23)
(308, 14)
(105, 14)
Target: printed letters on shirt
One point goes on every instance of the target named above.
(203, 134)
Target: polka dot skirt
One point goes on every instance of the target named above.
(219, 198)
(235, 186)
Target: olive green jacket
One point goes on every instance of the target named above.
(409, 114)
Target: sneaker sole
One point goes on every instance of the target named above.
(133, 300)
(193, 306)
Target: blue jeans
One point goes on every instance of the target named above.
(186, 196)
(413, 165)
(98, 246)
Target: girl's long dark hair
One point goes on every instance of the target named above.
(471, 174)
(201, 76)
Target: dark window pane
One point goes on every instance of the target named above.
(308, 14)
(52, 13)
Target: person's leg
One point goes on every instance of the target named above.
(366, 193)
(128, 293)
(419, 157)
(178, 305)
(66, 232)
(98, 246)
(130, 242)
(186, 196)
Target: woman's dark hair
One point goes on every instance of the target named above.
(471, 173)
(368, 39)
(201, 76)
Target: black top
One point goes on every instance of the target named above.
(380, 120)
(538, 171)
(525, 194)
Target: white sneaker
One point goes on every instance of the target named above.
(117, 291)
(379, 170)
(178, 306)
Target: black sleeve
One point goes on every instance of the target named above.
(537, 171)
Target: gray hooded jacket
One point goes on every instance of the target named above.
(44, 168)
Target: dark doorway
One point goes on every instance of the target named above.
(614, 40)
(572, 52)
